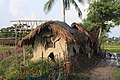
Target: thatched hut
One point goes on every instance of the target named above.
(56, 37)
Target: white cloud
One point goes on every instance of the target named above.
(14, 7)
(1, 1)
(22, 9)
(32, 15)
(114, 32)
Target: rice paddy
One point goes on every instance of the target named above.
(112, 48)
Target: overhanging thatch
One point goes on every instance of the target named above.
(56, 28)
(93, 35)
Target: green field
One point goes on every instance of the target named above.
(112, 48)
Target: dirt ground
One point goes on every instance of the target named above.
(103, 71)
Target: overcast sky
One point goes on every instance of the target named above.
(33, 9)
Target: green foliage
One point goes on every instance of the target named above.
(13, 72)
(48, 6)
(106, 10)
(9, 32)
(102, 15)
(13, 68)
(5, 64)
(101, 12)
(90, 26)
(29, 49)
(116, 73)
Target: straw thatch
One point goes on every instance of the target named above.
(54, 28)
(80, 28)
(93, 35)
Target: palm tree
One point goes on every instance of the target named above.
(65, 4)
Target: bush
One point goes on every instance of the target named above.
(13, 72)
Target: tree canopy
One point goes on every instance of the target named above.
(14, 31)
(104, 13)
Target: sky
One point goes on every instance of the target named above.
(114, 32)
(33, 10)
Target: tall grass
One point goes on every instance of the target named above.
(116, 73)
(13, 67)
(6, 49)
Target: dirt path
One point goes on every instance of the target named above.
(103, 71)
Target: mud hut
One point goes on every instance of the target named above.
(57, 37)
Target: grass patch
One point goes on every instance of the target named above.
(116, 73)
(13, 70)
(112, 48)
(6, 48)
(13, 67)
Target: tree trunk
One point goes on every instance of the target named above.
(99, 40)
(63, 11)
(100, 32)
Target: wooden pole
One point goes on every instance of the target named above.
(15, 39)
(42, 62)
(24, 54)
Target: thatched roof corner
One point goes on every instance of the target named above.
(78, 27)
(73, 25)
(56, 28)
(93, 35)
(27, 40)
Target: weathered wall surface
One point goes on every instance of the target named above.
(59, 49)
(71, 51)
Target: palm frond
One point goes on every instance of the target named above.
(81, 1)
(48, 5)
(77, 8)
(67, 4)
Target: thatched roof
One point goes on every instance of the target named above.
(56, 28)
(93, 35)
(80, 28)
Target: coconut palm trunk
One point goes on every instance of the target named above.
(63, 10)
